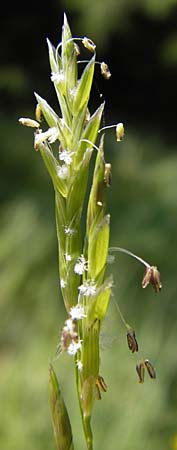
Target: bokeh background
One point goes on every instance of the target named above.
(139, 42)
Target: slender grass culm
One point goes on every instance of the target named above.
(66, 145)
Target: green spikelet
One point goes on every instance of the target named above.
(60, 419)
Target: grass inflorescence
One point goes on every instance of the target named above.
(66, 141)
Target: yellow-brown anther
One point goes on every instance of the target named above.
(101, 383)
(105, 71)
(36, 145)
(140, 371)
(38, 113)
(29, 122)
(101, 386)
(89, 44)
(120, 132)
(76, 49)
(132, 342)
(60, 148)
(150, 368)
(152, 276)
(107, 174)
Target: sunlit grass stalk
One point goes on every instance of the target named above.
(66, 146)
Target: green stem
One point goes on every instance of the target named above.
(85, 421)
(88, 433)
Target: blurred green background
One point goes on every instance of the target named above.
(139, 42)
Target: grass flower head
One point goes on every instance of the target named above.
(85, 286)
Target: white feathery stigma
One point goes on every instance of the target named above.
(62, 171)
(81, 266)
(62, 283)
(66, 156)
(51, 135)
(69, 231)
(57, 77)
(74, 347)
(79, 365)
(77, 312)
(67, 257)
(87, 288)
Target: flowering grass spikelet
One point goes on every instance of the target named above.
(60, 418)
